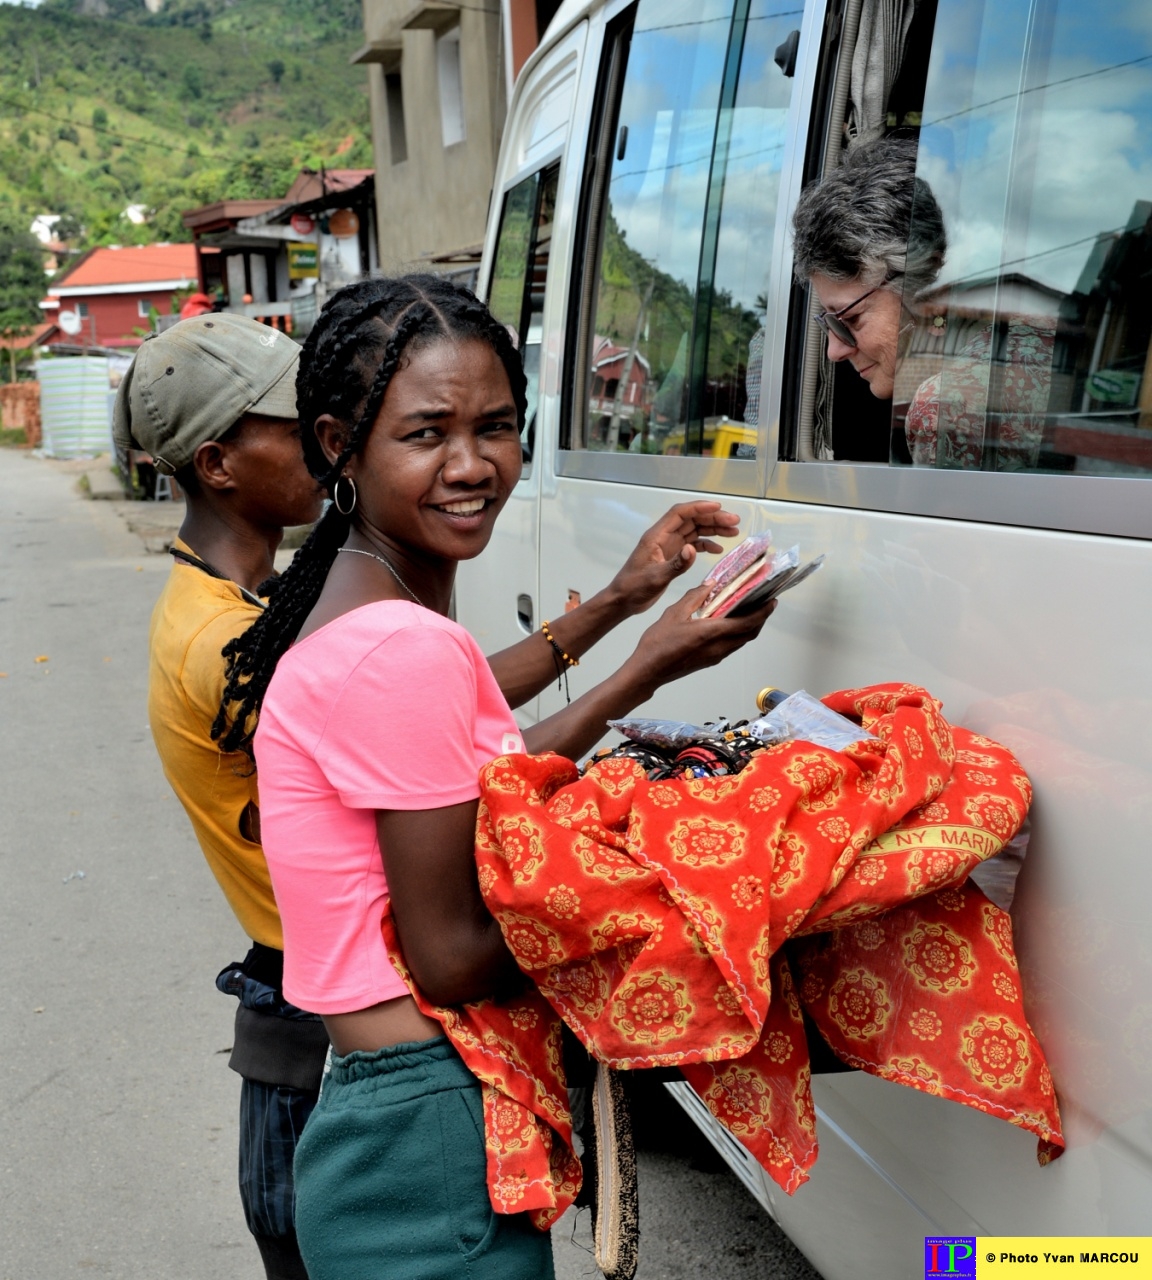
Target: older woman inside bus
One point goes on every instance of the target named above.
(870, 240)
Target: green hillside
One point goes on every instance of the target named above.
(103, 105)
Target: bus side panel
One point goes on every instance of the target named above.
(1036, 639)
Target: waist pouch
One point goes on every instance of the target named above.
(275, 1042)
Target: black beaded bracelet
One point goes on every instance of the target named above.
(568, 659)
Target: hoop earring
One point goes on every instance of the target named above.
(336, 496)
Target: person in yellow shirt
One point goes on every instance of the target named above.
(213, 400)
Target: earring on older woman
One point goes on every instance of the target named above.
(336, 496)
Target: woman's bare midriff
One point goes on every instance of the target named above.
(392, 1022)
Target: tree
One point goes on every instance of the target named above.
(21, 282)
(68, 228)
(192, 81)
(276, 70)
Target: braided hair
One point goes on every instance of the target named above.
(348, 361)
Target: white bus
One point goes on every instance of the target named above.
(639, 242)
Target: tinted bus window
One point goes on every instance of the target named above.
(520, 274)
(681, 235)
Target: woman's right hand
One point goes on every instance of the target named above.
(674, 646)
(678, 644)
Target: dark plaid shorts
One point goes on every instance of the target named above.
(272, 1118)
(279, 1052)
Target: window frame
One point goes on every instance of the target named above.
(552, 162)
(739, 477)
(394, 114)
(450, 88)
(1110, 506)
(556, 158)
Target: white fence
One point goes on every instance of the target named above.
(75, 406)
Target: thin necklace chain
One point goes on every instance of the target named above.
(355, 551)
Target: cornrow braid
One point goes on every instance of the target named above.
(407, 327)
(346, 366)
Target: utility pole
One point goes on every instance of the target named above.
(626, 371)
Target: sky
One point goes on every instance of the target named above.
(1031, 180)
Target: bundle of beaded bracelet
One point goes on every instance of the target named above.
(562, 660)
(725, 752)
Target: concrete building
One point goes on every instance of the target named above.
(439, 78)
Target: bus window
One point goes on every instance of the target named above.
(520, 274)
(678, 236)
(1032, 349)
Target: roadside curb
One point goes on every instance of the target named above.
(102, 483)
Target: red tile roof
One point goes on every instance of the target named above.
(306, 185)
(40, 334)
(131, 265)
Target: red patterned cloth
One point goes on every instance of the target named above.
(994, 392)
(686, 923)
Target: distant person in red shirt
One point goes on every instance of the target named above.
(195, 304)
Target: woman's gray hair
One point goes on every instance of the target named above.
(858, 224)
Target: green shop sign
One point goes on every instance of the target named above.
(303, 261)
(1114, 386)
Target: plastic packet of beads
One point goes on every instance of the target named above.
(758, 582)
(738, 562)
(801, 716)
(669, 733)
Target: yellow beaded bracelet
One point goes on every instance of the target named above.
(572, 662)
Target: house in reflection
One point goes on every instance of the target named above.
(952, 315)
(1091, 403)
(617, 395)
(1106, 323)
(1103, 422)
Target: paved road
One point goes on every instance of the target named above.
(117, 1110)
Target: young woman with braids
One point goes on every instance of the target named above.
(375, 714)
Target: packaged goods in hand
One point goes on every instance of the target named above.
(751, 575)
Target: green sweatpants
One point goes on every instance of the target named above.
(390, 1176)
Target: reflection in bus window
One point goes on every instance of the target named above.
(1032, 351)
(675, 341)
(746, 178)
(520, 274)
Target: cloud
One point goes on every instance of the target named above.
(1029, 180)
(670, 103)
(1033, 180)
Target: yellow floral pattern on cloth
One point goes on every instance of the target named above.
(694, 923)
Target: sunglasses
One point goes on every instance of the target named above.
(831, 322)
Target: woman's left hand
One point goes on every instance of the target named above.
(668, 549)
(663, 553)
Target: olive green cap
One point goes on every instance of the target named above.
(193, 382)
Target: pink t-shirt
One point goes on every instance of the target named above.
(389, 706)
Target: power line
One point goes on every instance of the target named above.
(704, 157)
(1040, 253)
(1051, 84)
(96, 128)
(724, 17)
